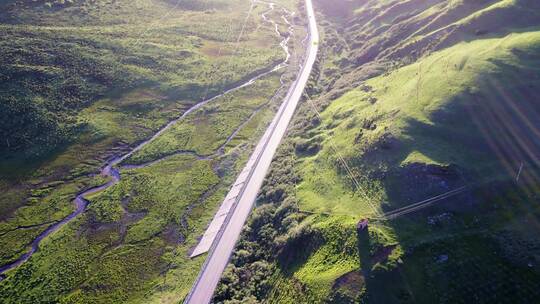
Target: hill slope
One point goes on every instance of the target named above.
(416, 98)
(60, 57)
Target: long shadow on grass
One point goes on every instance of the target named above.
(298, 250)
(478, 246)
(479, 136)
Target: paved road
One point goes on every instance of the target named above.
(230, 202)
(258, 165)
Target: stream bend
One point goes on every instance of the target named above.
(110, 168)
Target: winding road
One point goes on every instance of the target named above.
(244, 193)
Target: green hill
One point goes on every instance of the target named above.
(416, 98)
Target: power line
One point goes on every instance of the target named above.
(422, 204)
(394, 213)
(350, 173)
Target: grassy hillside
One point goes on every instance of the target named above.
(468, 93)
(88, 80)
(54, 67)
(429, 131)
(416, 98)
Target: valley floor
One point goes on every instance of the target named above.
(129, 242)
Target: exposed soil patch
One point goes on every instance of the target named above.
(351, 279)
(382, 254)
(347, 288)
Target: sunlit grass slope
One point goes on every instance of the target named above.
(417, 97)
(454, 107)
(471, 106)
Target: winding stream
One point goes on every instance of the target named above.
(110, 167)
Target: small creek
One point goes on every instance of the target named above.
(111, 167)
